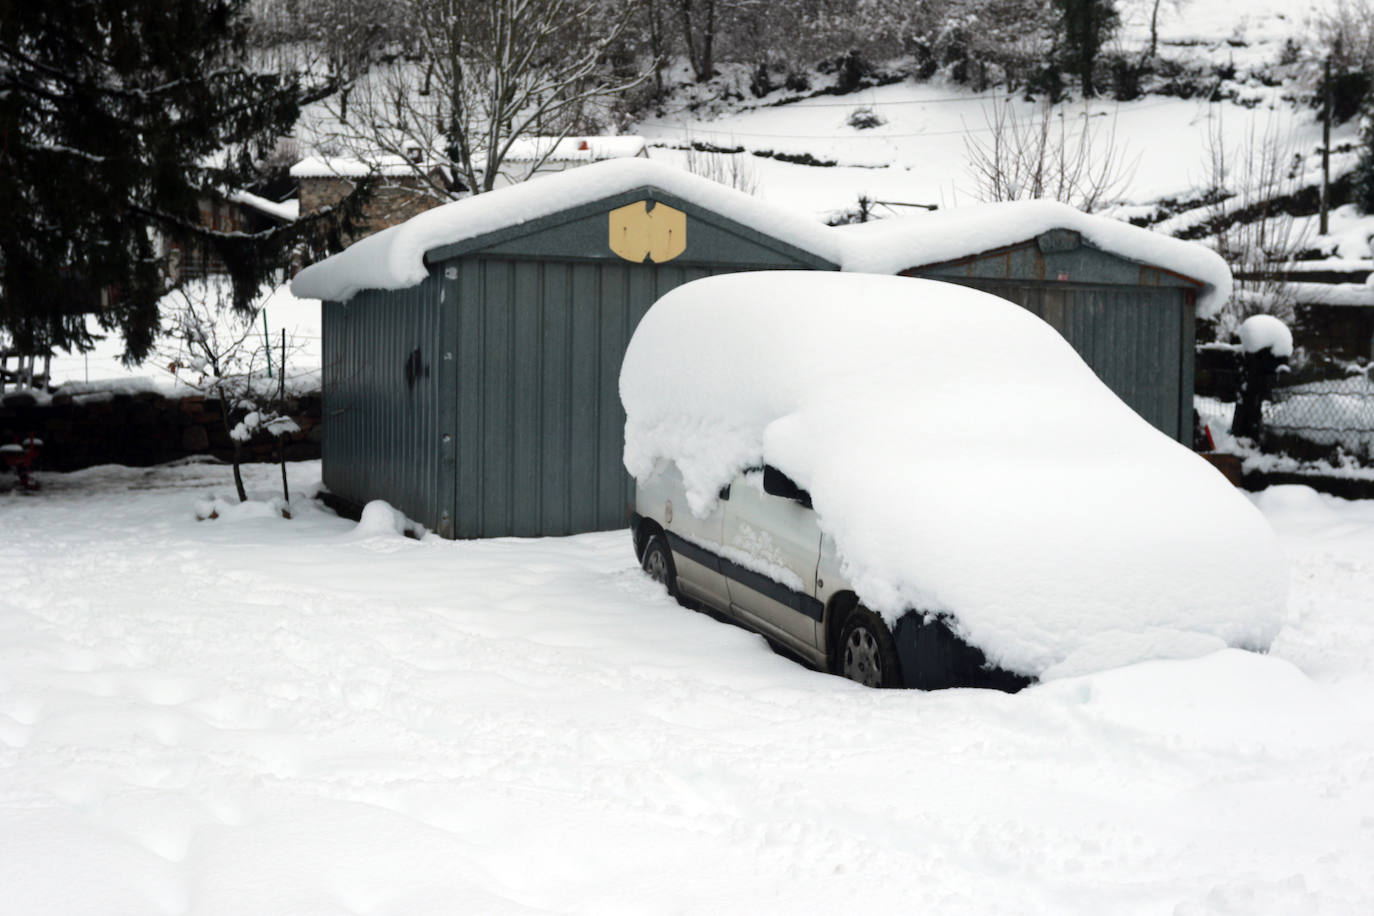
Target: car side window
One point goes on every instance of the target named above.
(776, 483)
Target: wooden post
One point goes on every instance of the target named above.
(281, 398)
(1324, 224)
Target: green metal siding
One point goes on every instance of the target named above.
(538, 416)
(1131, 322)
(383, 404)
(1137, 340)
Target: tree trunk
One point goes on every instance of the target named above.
(1154, 30)
(224, 407)
(238, 474)
(700, 48)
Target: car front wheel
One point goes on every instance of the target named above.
(658, 563)
(866, 652)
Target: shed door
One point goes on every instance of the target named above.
(1132, 339)
(1135, 339)
(540, 426)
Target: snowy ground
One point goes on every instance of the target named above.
(255, 715)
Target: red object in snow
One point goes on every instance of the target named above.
(20, 457)
(1211, 444)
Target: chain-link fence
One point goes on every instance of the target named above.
(1322, 415)
(1317, 410)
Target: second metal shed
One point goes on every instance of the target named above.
(1125, 298)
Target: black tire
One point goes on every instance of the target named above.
(935, 657)
(657, 562)
(866, 651)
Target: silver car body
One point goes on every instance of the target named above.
(756, 558)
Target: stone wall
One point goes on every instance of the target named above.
(394, 202)
(143, 429)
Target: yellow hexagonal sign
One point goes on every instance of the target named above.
(639, 233)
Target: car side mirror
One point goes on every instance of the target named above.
(776, 483)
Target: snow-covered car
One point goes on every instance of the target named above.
(907, 482)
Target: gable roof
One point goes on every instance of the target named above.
(395, 257)
(891, 246)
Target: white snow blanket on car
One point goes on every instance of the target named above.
(964, 459)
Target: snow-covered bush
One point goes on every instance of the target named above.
(865, 119)
(224, 354)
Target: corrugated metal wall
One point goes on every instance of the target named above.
(540, 426)
(1137, 339)
(383, 400)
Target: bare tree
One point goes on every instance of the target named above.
(215, 350)
(1073, 160)
(1347, 34)
(1251, 184)
(698, 21)
(1154, 25)
(730, 169)
(484, 74)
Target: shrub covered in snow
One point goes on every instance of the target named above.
(1261, 332)
(964, 459)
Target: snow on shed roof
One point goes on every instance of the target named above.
(890, 246)
(394, 258)
(575, 149)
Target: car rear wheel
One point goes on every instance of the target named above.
(866, 652)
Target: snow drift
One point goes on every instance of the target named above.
(963, 458)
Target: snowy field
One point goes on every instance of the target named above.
(255, 715)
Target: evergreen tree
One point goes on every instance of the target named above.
(1083, 27)
(1364, 170)
(117, 117)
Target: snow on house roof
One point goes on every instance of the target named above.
(286, 210)
(395, 257)
(575, 149)
(1353, 294)
(890, 246)
(351, 167)
(1323, 265)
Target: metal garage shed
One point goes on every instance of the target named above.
(472, 354)
(1117, 293)
(479, 395)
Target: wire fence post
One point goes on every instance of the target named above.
(1256, 386)
(281, 396)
